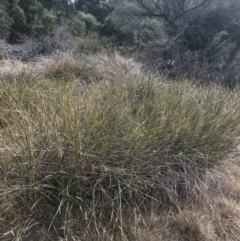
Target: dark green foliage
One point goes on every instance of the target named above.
(100, 9)
(46, 24)
(5, 23)
(35, 17)
(83, 22)
(198, 36)
(64, 9)
(108, 28)
(149, 30)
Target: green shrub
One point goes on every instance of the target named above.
(46, 24)
(149, 30)
(78, 27)
(83, 22)
(5, 24)
(197, 37)
(106, 42)
(89, 44)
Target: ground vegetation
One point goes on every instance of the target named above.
(119, 120)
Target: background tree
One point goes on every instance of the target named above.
(63, 9)
(98, 8)
(30, 18)
(199, 37)
(5, 20)
(84, 22)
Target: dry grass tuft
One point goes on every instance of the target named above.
(127, 157)
(15, 72)
(100, 67)
(210, 213)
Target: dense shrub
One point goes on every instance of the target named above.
(83, 22)
(5, 22)
(149, 30)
